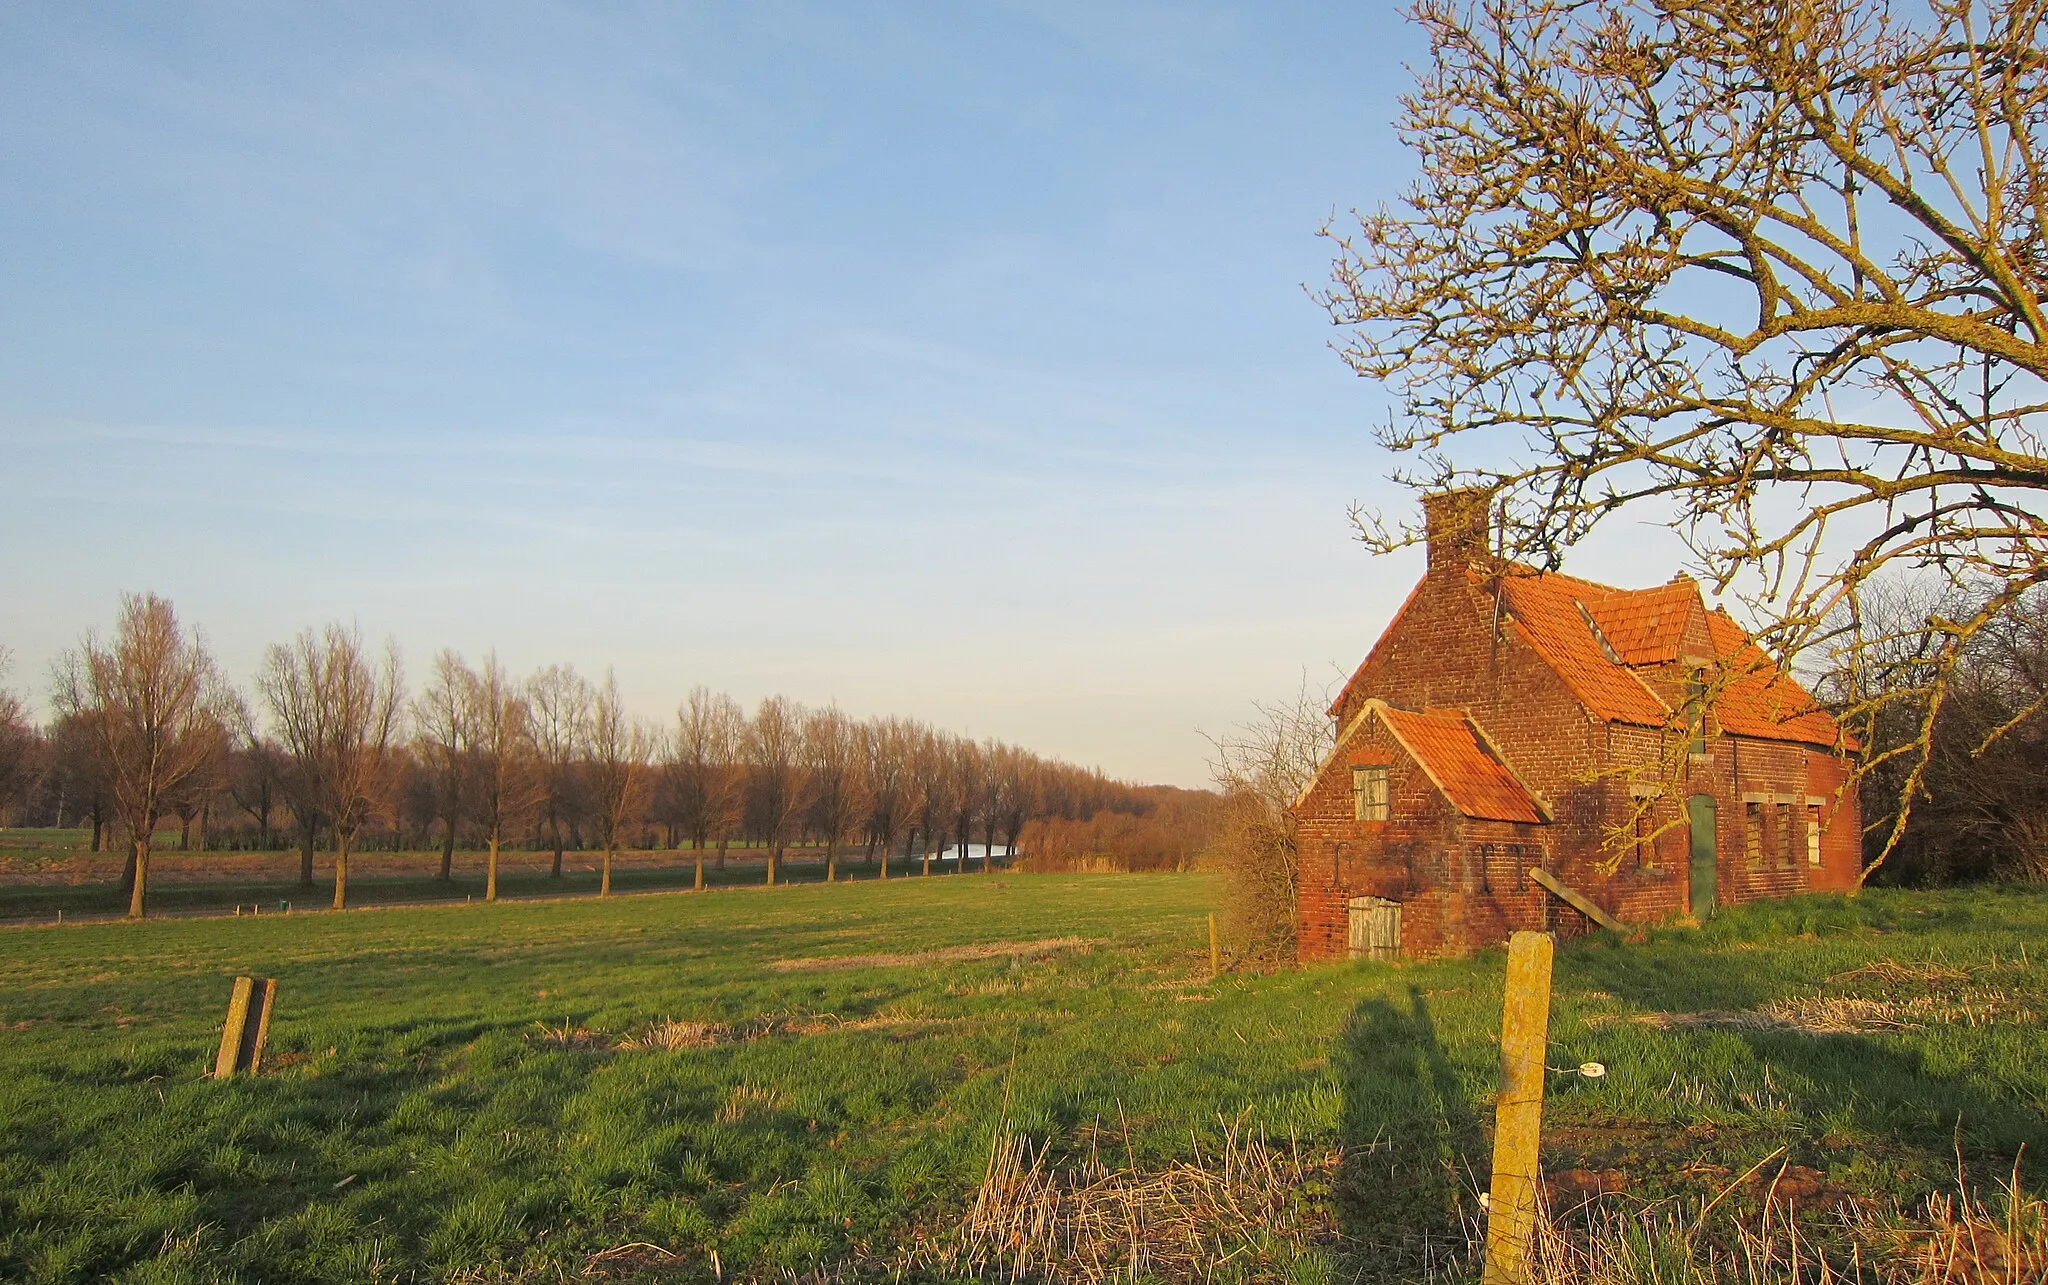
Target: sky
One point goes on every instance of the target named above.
(954, 361)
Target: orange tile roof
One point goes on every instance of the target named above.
(1546, 608)
(1450, 748)
(1759, 699)
(1645, 626)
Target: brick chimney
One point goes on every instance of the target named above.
(1458, 523)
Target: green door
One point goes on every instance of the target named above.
(1700, 813)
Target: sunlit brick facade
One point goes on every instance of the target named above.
(1632, 743)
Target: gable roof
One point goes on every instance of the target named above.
(1462, 764)
(1459, 759)
(1597, 637)
(1550, 611)
(1759, 699)
(1644, 626)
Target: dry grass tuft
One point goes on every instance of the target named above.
(570, 1035)
(675, 1036)
(745, 1099)
(1237, 1212)
(1958, 1240)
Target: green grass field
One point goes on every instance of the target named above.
(473, 1092)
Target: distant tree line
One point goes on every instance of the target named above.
(332, 750)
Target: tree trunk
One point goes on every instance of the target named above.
(184, 832)
(988, 849)
(306, 856)
(491, 871)
(98, 826)
(604, 881)
(340, 870)
(136, 904)
(448, 852)
(555, 826)
(831, 860)
(700, 868)
(127, 869)
(773, 853)
(722, 841)
(884, 873)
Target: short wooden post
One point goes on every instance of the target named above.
(1518, 1112)
(1215, 950)
(247, 1027)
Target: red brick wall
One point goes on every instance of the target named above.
(1448, 649)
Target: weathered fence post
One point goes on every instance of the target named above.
(247, 1027)
(1518, 1112)
(1215, 950)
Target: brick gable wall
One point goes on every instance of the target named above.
(1462, 882)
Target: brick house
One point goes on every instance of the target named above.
(1517, 740)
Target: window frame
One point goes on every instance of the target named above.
(1364, 777)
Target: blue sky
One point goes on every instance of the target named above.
(947, 360)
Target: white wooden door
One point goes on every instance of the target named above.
(1375, 929)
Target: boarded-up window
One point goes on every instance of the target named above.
(1753, 833)
(1787, 838)
(1813, 834)
(1375, 928)
(1369, 793)
(1646, 836)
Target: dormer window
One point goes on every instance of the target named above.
(1369, 793)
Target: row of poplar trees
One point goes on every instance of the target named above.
(332, 744)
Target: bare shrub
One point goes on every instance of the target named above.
(1261, 768)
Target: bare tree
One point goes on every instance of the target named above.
(82, 777)
(192, 802)
(775, 795)
(888, 744)
(835, 771)
(560, 700)
(17, 741)
(966, 779)
(501, 747)
(255, 780)
(1771, 272)
(337, 714)
(621, 754)
(441, 714)
(936, 786)
(151, 697)
(708, 770)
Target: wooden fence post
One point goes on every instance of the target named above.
(247, 1027)
(1518, 1111)
(1215, 950)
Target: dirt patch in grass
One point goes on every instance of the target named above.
(944, 955)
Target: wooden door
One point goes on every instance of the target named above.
(1700, 815)
(1375, 929)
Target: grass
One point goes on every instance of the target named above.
(577, 1088)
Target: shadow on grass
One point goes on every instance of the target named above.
(1411, 1135)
